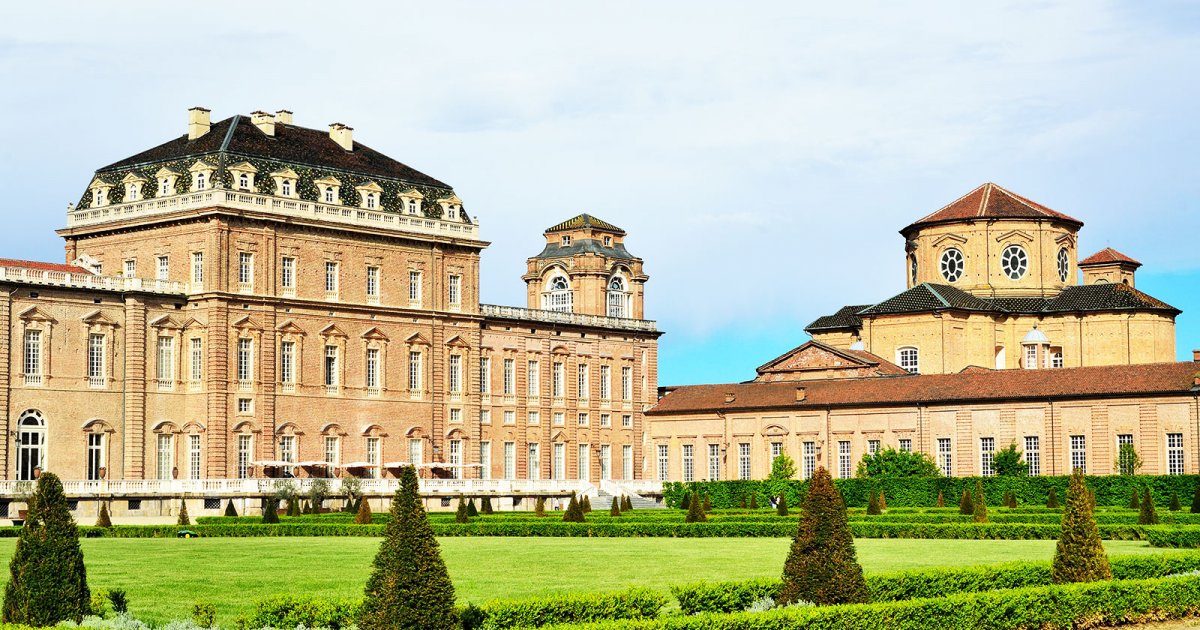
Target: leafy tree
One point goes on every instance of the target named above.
(184, 519)
(822, 566)
(1079, 555)
(471, 510)
(979, 502)
(781, 506)
(363, 517)
(318, 490)
(754, 498)
(966, 505)
(271, 510)
(695, 513)
(1128, 461)
(1007, 462)
(1134, 503)
(782, 468)
(872, 503)
(352, 486)
(1175, 503)
(1147, 515)
(409, 587)
(539, 507)
(103, 519)
(941, 500)
(615, 510)
(47, 580)
(229, 509)
(889, 462)
(1052, 498)
(461, 515)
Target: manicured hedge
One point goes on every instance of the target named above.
(291, 611)
(923, 491)
(1095, 603)
(1181, 536)
(737, 596)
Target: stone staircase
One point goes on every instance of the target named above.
(603, 501)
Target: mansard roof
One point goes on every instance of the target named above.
(967, 386)
(989, 201)
(585, 246)
(585, 221)
(1108, 255)
(237, 137)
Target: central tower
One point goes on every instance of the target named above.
(585, 268)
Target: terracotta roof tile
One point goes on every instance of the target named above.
(990, 201)
(974, 385)
(1108, 255)
(42, 266)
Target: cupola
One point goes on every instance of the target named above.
(1109, 266)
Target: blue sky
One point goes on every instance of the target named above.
(762, 160)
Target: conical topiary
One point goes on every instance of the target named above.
(695, 512)
(363, 516)
(539, 507)
(184, 519)
(460, 514)
(409, 586)
(1079, 556)
(471, 511)
(47, 580)
(1052, 498)
(103, 519)
(485, 506)
(965, 504)
(1196, 499)
(979, 502)
(742, 502)
(1175, 503)
(574, 511)
(1012, 500)
(1147, 515)
(626, 503)
(270, 511)
(615, 510)
(822, 566)
(781, 506)
(754, 498)
(941, 500)
(882, 502)
(293, 507)
(872, 503)
(585, 505)
(229, 509)
(707, 503)
(1134, 502)
(686, 502)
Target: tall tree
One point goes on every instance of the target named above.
(47, 580)
(1007, 462)
(1079, 555)
(409, 588)
(782, 467)
(1128, 460)
(822, 566)
(889, 462)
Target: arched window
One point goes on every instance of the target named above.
(244, 181)
(166, 187)
(952, 264)
(618, 298)
(557, 296)
(31, 444)
(329, 194)
(412, 206)
(134, 189)
(1064, 265)
(287, 188)
(909, 359)
(370, 200)
(199, 181)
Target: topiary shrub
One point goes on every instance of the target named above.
(707, 503)
(1079, 555)
(626, 503)
(574, 511)
(103, 519)
(1175, 504)
(979, 502)
(461, 515)
(1012, 500)
(742, 502)
(1147, 515)
(781, 506)
(229, 509)
(1134, 503)
(1196, 499)
(687, 501)
(47, 580)
(965, 505)
(363, 516)
(471, 511)
(409, 586)
(485, 506)
(695, 512)
(615, 510)
(1052, 498)
(293, 506)
(882, 501)
(270, 510)
(941, 500)
(822, 566)
(754, 498)
(873, 504)
(539, 507)
(184, 519)
(585, 505)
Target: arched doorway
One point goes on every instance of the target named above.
(31, 444)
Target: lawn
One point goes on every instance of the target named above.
(165, 576)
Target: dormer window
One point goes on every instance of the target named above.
(133, 191)
(329, 194)
(452, 212)
(370, 200)
(566, 240)
(244, 181)
(412, 206)
(200, 184)
(608, 241)
(99, 197)
(286, 188)
(164, 187)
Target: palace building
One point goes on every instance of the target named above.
(255, 298)
(1002, 336)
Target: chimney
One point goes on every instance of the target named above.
(730, 397)
(198, 122)
(283, 117)
(264, 121)
(800, 394)
(341, 134)
(1196, 356)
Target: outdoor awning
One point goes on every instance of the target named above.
(448, 465)
(275, 463)
(313, 462)
(396, 464)
(358, 465)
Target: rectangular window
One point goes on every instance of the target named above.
(583, 466)
(560, 461)
(534, 417)
(605, 382)
(95, 362)
(605, 462)
(1174, 453)
(245, 270)
(331, 279)
(194, 463)
(583, 383)
(164, 268)
(905, 445)
(533, 379)
(1123, 439)
(509, 367)
(287, 362)
(945, 456)
(844, 459)
(287, 275)
(744, 461)
(560, 419)
(485, 375)
(372, 375)
(333, 450)
(33, 357)
(605, 420)
(95, 455)
(510, 417)
(373, 284)
(455, 289)
(627, 462)
(287, 448)
(1033, 455)
(689, 466)
(331, 366)
(455, 462)
(583, 419)
(197, 371)
(809, 459)
(534, 464)
(1079, 453)
(626, 383)
(245, 361)
(1031, 353)
(414, 288)
(197, 269)
(166, 456)
(416, 451)
(485, 459)
(510, 460)
(1056, 357)
(130, 269)
(454, 373)
(872, 447)
(627, 421)
(485, 416)
(908, 359)
(372, 469)
(714, 462)
(776, 450)
(245, 406)
(414, 371)
(987, 449)
(664, 462)
(556, 382)
(245, 455)
(166, 362)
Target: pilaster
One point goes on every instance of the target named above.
(135, 388)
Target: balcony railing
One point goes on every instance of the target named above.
(33, 379)
(276, 205)
(84, 280)
(97, 382)
(555, 317)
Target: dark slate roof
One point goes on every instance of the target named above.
(1086, 298)
(845, 317)
(1108, 255)
(237, 136)
(990, 201)
(1106, 297)
(586, 246)
(929, 297)
(585, 221)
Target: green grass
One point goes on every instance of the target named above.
(164, 577)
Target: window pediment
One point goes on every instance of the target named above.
(328, 181)
(247, 426)
(285, 173)
(99, 183)
(333, 428)
(457, 342)
(243, 167)
(288, 428)
(193, 324)
(98, 318)
(953, 238)
(774, 430)
(373, 430)
(200, 166)
(1015, 235)
(289, 327)
(195, 426)
(165, 426)
(417, 339)
(332, 331)
(165, 173)
(35, 314)
(369, 187)
(247, 323)
(132, 178)
(165, 322)
(1067, 239)
(374, 334)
